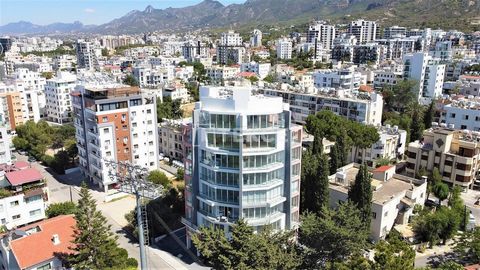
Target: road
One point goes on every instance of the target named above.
(67, 187)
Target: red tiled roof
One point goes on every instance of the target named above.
(365, 88)
(22, 164)
(472, 267)
(38, 247)
(382, 168)
(23, 176)
(246, 74)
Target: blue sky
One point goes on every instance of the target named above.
(87, 11)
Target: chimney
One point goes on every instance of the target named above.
(56, 239)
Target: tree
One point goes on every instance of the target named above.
(95, 245)
(47, 75)
(393, 254)
(360, 193)
(159, 178)
(432, 227)
(429, 115)
(246, 249)
(450, 265)
(332, 236)
(322, 196)
(180, 174)
(441, 191)
(63, 208)
(252, 79)
(269, 78)
(309, 181)
(416, 126)
(105, 52)
(130, 80)
(334, 159)
(468, 245)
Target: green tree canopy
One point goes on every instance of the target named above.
(130, 80)
(63, 208)
(159, 178)
(360, 194)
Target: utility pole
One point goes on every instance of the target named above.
(133, 180)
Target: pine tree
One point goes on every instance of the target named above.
(429, 115)
(360, 194)
(416, 126)
(308, 181)
(95, 245)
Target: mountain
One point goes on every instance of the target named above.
(23, 27)
(449, 14)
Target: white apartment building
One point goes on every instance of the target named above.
(174, 93)
(172, 48)
(394, 196)
(221, 73)
(64, 62)
(261, 69)
(320, 32)
(386, 77)
(117, 124)
(443, 50)
(256, 39)
(5, 142)
(361, 107)
(397, 47)
(364, 31)
(394, 31)
(337, 78)
(242, 160)
(170, 134)
(462, 114)
(230, 50)
(154, 77)
(195, 49)
(59, 101)
(428, 72)
(391, 146)
(284, 49)
(87, 54)
(31, 87)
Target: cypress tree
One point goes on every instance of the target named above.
(416, 127)
(334, 159)
(360, 193)
(308, 181)
(429, 115)
(95, 245)
(322, 192)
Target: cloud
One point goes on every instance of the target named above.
(89, 10)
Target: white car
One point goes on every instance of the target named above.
(471, 222)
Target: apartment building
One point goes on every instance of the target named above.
(87, 54)
(391, 146)
(38, 246)
(221, 73)
(115, 123)
(242, 161)
(5, 142)
(346, 78)
(256, 39)
(454, 153)
(322, 33)
(386, 77)
(394, 31)
(31, 87)
(170, 134)
(428, 72)
(284, 49)
(364, 31)
(154, 77)
(397, 47)
(59, 101)
(368, 53)
(261, 69)
(194, 49)
(230, 50)
(393, 200)
(360, 107)
(462, 114)
(11, 107)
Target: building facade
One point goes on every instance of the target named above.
(242, 161)
(59, 101)
(364, 31)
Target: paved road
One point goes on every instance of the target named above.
(69, 188)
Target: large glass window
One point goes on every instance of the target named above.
(260, 161)
(259, 141)
(265, 121)
(261, 196)
(227, 121)
(224, 141)
(262, 178)
(218, 160)
(219, 178)
(261, 212)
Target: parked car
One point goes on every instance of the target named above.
(22, 152)
(31, 159)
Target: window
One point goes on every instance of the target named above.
(386, 214)
(14, 203)
(15, 217)
(134, 124)
(47, 266)
(34, 213)
(3, 221)
(149, 111)
(374, 215)
(105, 119)
(106, 130)
(108, 154)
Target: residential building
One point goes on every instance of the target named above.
(5, 143)
(321, 32)
(360, 107)
(463, 113)
(396, 48)
(87, 54)
(256, 39)
(364, 31)
(242, 161)
(38, 246)
(454, 153)
(428, 72)
(443, 50)
(114, 123)
(261, 69)
(230, 50)
(342, 53)
(170, 134)
(284, 49)
(28, 195)
(221, 73)
(337, 78)
(194, 49)
(368, 53)
(11, 107)
(31, 87)
(174, 93)
(154, 77)
(394, 196)
(59, 102)
(394, 31)
(387, 77)
(390, 146)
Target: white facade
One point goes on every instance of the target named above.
(284, 49)
(364, 31)
(462, 114)
(240, 167)
(428, 73)
(180, 93)
(5, 142)
(87, 54)
(322, 33)
(338, 79)
(31, 87)
(256, 39)
(386, 78)
(221, 73)
(261, 69)
(19, 210)
(59, 102)
(230, 49)
(154, 77)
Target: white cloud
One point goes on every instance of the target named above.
(89, 10)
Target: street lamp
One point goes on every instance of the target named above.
(132, 180)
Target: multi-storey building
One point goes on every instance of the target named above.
(394, 196)
(194, 49)
(322, 33)
(31, 86)
(221, 73)
(428, 73)
(455, 153)
(5, 142)
(443, 50)
(11, 107)
(59, 102)
(242, 161)
(116, 123)
(170, 134)
(256, 39)
(386, 77)
(261, 69)
(364, 31)
(394, 31)
(369, 53)
(284, 49)
(338, 79)
(396, 48)
(362, 107)
(230, 50)
(154, 77)
(87, 53)
(462, 114)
